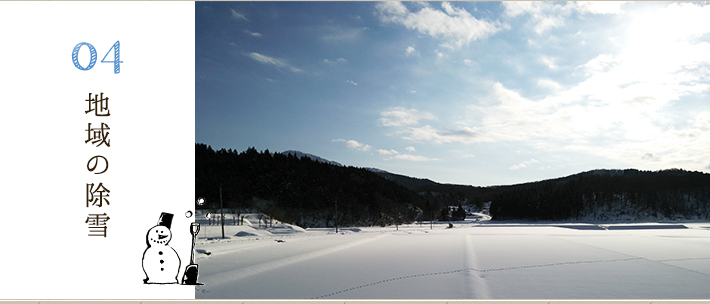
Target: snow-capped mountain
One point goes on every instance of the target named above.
(300, 155)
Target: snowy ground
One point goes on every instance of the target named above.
(473, 260)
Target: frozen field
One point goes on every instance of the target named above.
(473, 260)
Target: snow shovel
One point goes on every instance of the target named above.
(191, 273)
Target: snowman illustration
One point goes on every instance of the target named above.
(161, 263)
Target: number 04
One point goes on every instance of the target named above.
(116, 56)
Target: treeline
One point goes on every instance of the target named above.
(302, 191)
(309, 193)
(607, 194)
(446, 194)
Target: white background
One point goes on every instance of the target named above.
(46, 251)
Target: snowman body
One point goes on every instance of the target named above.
(161, 263)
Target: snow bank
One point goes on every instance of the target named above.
(285, 229)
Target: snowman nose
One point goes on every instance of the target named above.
(160, 236)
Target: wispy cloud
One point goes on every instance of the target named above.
(387, 152)
(334, 62)
(407, 124)
(547, 15)
(600, 7)
(410, 51)
(399, 116)
(548, 84)
(354, 145)
(523, 164)
(619, 112)
(276, 62)
(549, 62)
(455, 25)
(429, 133)
(396, 155)
(469, 62)
(237, 15)
(338, 33)
(410, 157)
(351, 82)
(253, 34)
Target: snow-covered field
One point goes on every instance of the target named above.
(472, 260)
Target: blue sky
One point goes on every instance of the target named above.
(478, 93)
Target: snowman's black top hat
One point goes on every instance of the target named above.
(166, 219)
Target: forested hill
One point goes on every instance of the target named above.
(295, 188)
(300, 190)
(609, 194)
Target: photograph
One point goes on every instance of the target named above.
(528, 150)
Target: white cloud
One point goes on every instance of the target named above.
(600, 7)
(279, 63)
(412, 157)
(547, 15)
(702, 120)
(410, 149)
(548, 84)
(457, 26)
(622, 110)
(354, 145)
(411, 51)
(351, 82)
(341, 33)
(549, 62)
(523, 164)
(421, 3)
(337, 61)
(469, 62)
(601, 63)
(253, 34)
(429, 133)
(397, 117)
(517, 8)
(237, 15)
(387, 152)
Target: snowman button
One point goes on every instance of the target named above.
(161, 261)
(160, 252)
(161, 269)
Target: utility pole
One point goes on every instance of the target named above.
(336, 215)
(221, 209)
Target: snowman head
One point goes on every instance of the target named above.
(158, 235)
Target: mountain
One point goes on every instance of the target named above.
(299, 155)
(411, 183)
(296, 188)
(602, 195)
(307, 189)
(376, 170)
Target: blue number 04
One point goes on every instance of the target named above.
(116, 56)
